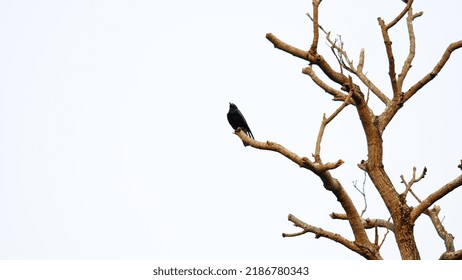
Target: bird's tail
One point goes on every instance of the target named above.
(249, 133)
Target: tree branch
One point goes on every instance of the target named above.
(319, 232)
(324, 123)
(357, 71)
(386, 234)
(368, 223)
(400, 16)
(408, 63)
(314, 44)
(322, 171)
(338, 95)
(435, 196)
(391, 58)
(432, 213)
(312, 58)
(294, 234)
(304, 162)
(430, 76)
(442, 232)
(362, 192)
(340, 53)
(414, 179)
(278, 44)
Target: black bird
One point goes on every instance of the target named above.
(237, 120)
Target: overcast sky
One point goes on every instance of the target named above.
(114, 142)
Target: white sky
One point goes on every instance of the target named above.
(114, 142)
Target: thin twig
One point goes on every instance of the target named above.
(362, 192)
(345, 63)
(385, 235)
(325, 122)
(413, 180)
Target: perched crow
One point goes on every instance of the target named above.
(237, 120)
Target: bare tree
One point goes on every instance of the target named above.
(350, 86)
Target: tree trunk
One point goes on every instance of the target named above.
(397, 207)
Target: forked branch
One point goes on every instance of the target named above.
(324, 123)
(322, 171)
(344, 61)
(319, 232)
(435, 196)
(304, 162)
(316, 59)
(413, 180)
(432, 213)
